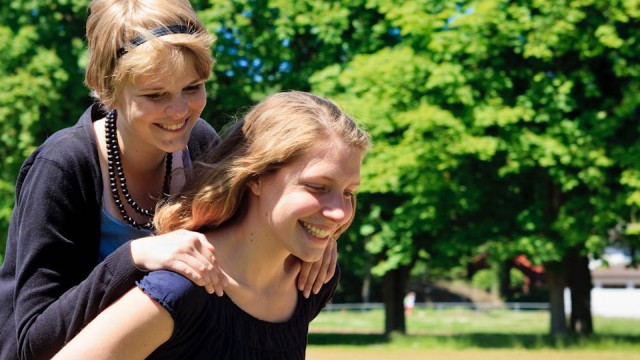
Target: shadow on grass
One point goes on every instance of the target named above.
(477, 340)
(347, 339)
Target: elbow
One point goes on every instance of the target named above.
(30, 347)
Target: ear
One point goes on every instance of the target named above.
(255, 186)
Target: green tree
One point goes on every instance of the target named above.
(40, 43)
(504, 127)
(499, 125)
(267, 46)
(270, 45)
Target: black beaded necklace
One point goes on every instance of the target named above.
(114, 164)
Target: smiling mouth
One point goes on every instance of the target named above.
(317, 232)
(172, 127)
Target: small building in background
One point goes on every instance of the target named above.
(616, 286)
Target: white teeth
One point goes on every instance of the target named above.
(315, 231)
(172, 127)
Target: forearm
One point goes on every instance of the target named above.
(46, 322)
(132, 328)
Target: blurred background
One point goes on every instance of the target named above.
(505, 171)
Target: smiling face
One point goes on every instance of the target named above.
(158, 111)
(304, 204)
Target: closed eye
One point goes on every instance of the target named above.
(193, 88)
(316, 188)
(155, 96)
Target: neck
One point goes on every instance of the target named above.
(138, 159)
(251, 261)
(262, 273)
(144, 177)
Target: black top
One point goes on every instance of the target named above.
(52, 247)
(211, 327)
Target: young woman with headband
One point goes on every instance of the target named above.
(81, 231)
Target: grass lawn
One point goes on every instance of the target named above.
(467, 334)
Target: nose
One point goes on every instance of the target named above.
(339, 209)
(178, 107)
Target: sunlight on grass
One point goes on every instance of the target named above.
(461, 328)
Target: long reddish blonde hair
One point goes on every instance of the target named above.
(274, 133)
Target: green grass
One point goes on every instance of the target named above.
(460, 328)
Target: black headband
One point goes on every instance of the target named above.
(157, 32)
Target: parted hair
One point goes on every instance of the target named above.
(273, 133)
(112, 24)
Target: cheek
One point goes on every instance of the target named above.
(349, 209)
(198, 101)
(144, 109)
(298, 203)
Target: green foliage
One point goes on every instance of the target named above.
(498, 126)
(41, 82)
(266, 46)
(484, 279)
(30, 87)
(262, 47)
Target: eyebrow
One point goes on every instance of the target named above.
(160, 88)
(328, 178)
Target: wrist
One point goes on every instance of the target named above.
(134, 252)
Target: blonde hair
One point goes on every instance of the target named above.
(273, 134)
(112, 24)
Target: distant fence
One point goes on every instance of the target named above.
(622, 303)
(446, 305)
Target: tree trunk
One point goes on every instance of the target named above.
(505, 280)
(556, 283)
(393, 291)
(366, 282)
(579, 281)
(496, 273)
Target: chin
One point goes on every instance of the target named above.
(175, 147)
(311, 256)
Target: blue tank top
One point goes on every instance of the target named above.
(114, 233)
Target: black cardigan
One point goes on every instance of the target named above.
(51, 284)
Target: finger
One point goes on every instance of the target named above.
(198, 243)
(205, 242)
(211, 281)
(303, 275)
(209, 288)
(311, 279)
(222, 283)
(187, 271)
(208, 270)
(197, 266)
(322, 272)
(216, 279)
(331, 270)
